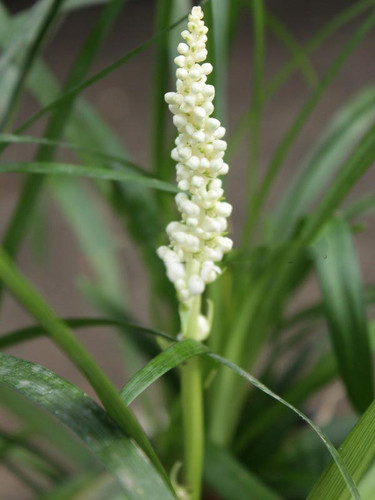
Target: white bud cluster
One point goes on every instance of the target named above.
(198, 241)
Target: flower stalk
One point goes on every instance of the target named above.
(198, 241)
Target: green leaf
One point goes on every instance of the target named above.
(298, 52)
(60, 333)
(292, 133)
(341, 135)
(218, 48)
(77, 89)
(341, 19)
(32, 332)
(93, 172)
(358, 451)
(173, 356)
(83, 416)
(357, 164)
(362, 206)
(160, 161)
(134, 205)
(97, 242)
(230, 479)
(55, 127)
(18, 446)
(342, 471)
(31, 53)
(117, 159)
(258, 11)
(339, 276)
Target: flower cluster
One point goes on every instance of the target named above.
(197, 241)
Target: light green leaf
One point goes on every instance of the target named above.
(173, 356)
(341, 470)
(358, 451)
(339, 138)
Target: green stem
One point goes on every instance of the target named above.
(192, 408)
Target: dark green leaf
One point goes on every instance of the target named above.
(340, 282)
(83, 416)
(230, 479)
(32, 332)
(61, 334)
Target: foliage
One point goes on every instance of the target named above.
(255, 445)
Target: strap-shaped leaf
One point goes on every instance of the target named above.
(358, 451)
(117, 159)
(49, 18)
(60, 333)
(323, 161)
(173, 356)
(230, 479)
(32, 332)
(341, 464)
(340, 282)
(342, 469)
(93, 172)
(92, 424)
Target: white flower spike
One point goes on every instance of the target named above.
(197, 241)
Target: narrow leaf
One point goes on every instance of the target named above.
(173, 356)
(340, 463)
(93, 172)
(83, 416)
(358, 451)
(230, 479)
(339, 276)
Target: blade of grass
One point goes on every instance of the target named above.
(255, 312)
(97, 242)
(255, 117)
(60, 333)
(19, 440)
(31, 54)
(120, 160)
(55, 127)
(83, 416)
(298, 52)
(159, 162)
(21, 475)
(289, 138)
(358, 451)
(173, 356)
(230, 479)
(77, 89)
(344, 17)
(31, 332)
(341, 135)
(362, 206)
(356, 165)
(340, 467)
(340, 282)
(218, 44)
(93, 172)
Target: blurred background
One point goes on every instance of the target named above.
(123, 99)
